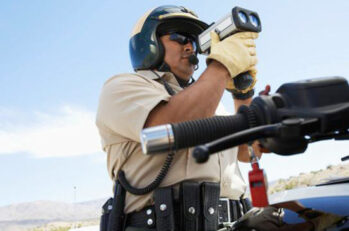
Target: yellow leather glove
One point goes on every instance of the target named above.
(238, 54)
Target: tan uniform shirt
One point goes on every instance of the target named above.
(125, 102)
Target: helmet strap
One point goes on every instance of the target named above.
(168, 88)
(164, 67)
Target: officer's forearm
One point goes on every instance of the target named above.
(198, 101)
(244, 155)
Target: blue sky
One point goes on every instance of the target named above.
(55, 56)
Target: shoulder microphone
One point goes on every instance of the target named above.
(193, 59)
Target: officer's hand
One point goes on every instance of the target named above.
(319, 219)
(262, 219)
(237, 53)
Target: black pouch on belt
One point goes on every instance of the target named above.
(189, 197)
(106, 210)
(210, 196)
(164, 209)
(117, 217)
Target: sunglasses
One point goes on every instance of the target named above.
(183, 39)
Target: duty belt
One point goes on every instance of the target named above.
(228, 211)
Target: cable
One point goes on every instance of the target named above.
(153, 185)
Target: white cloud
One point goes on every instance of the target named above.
(70, 131)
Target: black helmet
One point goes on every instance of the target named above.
(146, 50)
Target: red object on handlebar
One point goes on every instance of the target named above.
(266, 90)
(258, 186)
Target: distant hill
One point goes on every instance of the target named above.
(310, 179)
(38, 213)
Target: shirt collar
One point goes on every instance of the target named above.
(168, 76)
(150, 74)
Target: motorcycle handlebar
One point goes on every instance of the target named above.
(323, 103)
(171, 137)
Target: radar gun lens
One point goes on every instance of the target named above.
(242, 17)
(254, 20)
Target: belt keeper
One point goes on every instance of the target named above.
(235, 208)
(163, 198)
(246, 203)
(189, 198)
(210, 197)
(224, 211)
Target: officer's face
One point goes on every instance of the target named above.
(177, 56)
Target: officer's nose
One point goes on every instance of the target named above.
(188, 47)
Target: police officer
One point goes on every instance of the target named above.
(163, 53)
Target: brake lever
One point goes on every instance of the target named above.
(201, 153)
(340, 135)
(343, 136)
(345, 158)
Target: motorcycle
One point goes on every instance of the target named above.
(298, 114)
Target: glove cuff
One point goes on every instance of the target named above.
(242, 96)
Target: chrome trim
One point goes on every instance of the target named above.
(157, 139)
(224, 27)
(227, 201)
